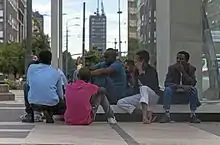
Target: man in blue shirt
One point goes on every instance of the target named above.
(111, 75)
(45, 85)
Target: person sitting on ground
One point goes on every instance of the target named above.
(130, 73)
(111, 75)
(83, 100)
(45, 88)
(181, 79)
(146, 88)
(28, 110)
(78, 67)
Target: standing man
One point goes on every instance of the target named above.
(181, 79)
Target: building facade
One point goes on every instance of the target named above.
(146, 27)
(40, 19)
(132, 27)
(12, 14)
(97, 32)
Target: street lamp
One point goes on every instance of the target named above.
(119, 26)
(67, 39)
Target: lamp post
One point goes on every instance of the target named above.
(119, 26)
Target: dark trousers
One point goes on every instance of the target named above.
(113, 95)
(57, 109)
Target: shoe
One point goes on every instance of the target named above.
(49, 117)
(38, 117)
(165, 119)
(27, 118)
(194, 119)
(112, 120)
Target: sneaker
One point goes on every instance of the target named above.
(112, 120)
(38, 117)
(165, 119)
(26, 118)
(194, 119)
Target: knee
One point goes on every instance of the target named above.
(102, 90)
(168, 90)
(120, 102)
(193, 91)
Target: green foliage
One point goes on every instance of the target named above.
(11, 58)
(71, 63)
(93, 56)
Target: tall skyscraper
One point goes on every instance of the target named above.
(12, 14)
(97, 30)
(40, 19)
(132, 27)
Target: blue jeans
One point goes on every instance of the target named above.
(113, 94)
(193, 97)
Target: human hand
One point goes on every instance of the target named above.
(139, 65)
(180, 67)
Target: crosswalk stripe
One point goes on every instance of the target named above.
(12, 108)
(15, 130)
(14, 123)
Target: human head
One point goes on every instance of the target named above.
(45, 57)
(182, 57)
(142, 57)
(110, 56)
(129, 65)
(84, 74)
(78, 60)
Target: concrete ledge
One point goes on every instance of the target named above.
(7, 96)
(204, 108)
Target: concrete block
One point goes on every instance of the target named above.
(7, 96)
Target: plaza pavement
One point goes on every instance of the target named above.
(13, 132)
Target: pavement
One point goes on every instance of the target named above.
(13, 132)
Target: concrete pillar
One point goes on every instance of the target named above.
(55, 32)
(179, 27)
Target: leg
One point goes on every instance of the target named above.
(193, 97)
(129, 103)
(148, 97)
(101, 99)
(168, 93)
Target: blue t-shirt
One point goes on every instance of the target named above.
(45, 85)
(118, 79)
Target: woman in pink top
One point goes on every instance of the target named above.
(83, 99)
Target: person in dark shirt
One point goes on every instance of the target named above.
(181, 79)
(146, 86)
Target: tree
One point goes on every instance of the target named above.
(12, 58)
(71, 63)
(93, 56)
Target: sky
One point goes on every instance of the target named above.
(73, 8)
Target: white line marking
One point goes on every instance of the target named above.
(12, 108)
(14, 123)
(15, 130)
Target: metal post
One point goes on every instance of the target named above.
(60, 34)
(55, 32)
(67, 49)
(83, 33)
(119, 26)
(29, 34)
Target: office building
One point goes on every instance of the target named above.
(132, 27)
(12, 14)
(146, 27)
(97, 30)
(40, 19)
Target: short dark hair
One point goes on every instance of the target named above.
(84, 74)
(186, 54)
(129, 62)
(144, 56)
(45, 57)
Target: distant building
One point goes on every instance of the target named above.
(97, 30)
(146, 27)
(12, 13)
(40, 19)
(132, 27)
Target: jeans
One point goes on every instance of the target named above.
(113, 94)
(192, 93)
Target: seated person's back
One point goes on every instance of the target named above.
(78, 95)
(44, 82)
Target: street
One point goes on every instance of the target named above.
(12, 131)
